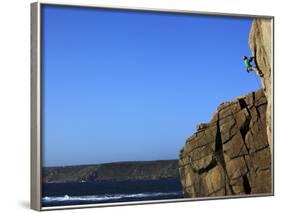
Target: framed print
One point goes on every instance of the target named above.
(140, 105)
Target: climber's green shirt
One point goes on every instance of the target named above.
(247, 63)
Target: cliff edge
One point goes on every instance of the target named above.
(260, 42)
(231, 155)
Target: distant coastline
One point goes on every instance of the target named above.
(115, 171)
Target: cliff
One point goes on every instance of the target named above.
(260, 42)
(135, 170)
(231, 155)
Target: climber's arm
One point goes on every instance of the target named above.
(251, 58)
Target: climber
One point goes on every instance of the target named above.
(250, 67)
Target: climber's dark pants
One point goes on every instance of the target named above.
(252, 68)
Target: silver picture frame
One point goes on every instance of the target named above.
(36, 103)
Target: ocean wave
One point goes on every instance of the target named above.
(107, 197)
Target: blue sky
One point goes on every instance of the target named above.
(127, 85)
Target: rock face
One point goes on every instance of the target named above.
(119, 171)
(231, 155)
(260, 42)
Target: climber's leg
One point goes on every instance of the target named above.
(257, 71)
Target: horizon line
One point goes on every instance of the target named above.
(93, 164)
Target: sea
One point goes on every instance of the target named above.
(78, 193)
